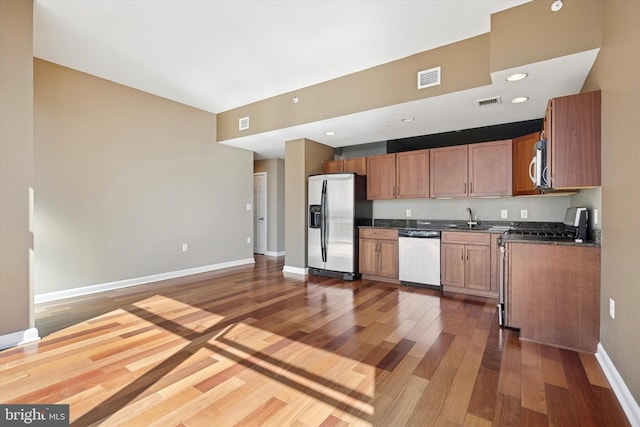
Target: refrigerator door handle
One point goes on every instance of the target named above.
(323, 221)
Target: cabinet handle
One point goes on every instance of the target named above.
(465, 188)
(462, 257)
(470, 187)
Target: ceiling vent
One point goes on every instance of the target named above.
(428, 78)
(243, 123)
(488, 101)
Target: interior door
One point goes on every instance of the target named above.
(260, 212)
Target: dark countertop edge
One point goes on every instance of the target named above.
(558, 243)
(482, 227)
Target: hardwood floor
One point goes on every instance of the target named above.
(251, 346)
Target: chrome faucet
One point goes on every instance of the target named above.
(471, 222)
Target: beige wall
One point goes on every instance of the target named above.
(16, 164)
(124, 178)
(275, 202)
(303, 157)
(615, 73)
(380, 86)
(532, 33)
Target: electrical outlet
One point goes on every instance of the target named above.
(612, 308)
(595, 216)
(248, 206)
(503, 214)
(248, 240)
(185, 247)
(524, 214)
(408, 213)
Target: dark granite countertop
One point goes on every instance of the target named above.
(483, 226)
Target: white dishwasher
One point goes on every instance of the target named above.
(419, 257)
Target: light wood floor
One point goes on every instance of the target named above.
(249, 346)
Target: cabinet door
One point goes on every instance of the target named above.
(334, 166)
(368, 256)
(448, 170)
(388, 259)
(381, 177)
(452, 264)
(554, 294)
(575, 141)
(412, 174)
(522, 154)
(478, 267)
(491, 169)
(357, 165)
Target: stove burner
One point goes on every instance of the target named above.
(546, 235)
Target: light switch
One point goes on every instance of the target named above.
(248, 206)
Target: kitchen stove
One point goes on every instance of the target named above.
(540, 234)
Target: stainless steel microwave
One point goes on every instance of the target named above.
(538, 171)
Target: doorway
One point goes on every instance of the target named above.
(260, 213)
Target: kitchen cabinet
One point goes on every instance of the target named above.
(553, 293)
(491, 169)
(572, 130)
(473, 170)
(356, 165)
(523, 152)
(449, 172)
(398, 176)
(378, 253)
(467, 263)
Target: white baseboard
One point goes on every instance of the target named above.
(295, 270)
(622, 392)
(20, 337)
(274, 254)
(92, 289)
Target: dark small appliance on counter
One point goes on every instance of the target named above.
(577, 221)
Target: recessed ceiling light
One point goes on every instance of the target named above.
(407, 119)
(330, 133)
(519, 99)
(517, 76)
(556, 5)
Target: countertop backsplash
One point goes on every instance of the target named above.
(546, 208)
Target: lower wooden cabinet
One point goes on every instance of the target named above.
(468, 263)
(553, 294)
(378, 256)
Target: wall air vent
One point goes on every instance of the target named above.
(428, 78)
(488, 101)
(243, 123)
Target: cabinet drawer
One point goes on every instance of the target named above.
(466, 238)
(379, 233)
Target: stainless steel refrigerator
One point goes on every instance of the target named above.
(337, 205)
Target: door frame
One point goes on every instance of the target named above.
(266, 224)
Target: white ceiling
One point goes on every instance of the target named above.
(220, 54)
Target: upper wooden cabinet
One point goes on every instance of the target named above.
(356, 165)
(572, 130)
(381, 177)
(449, 172)
(491, 169)
(398, 176)
(334, 166)
(412, 174)
(523, 152)
(474, 170)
